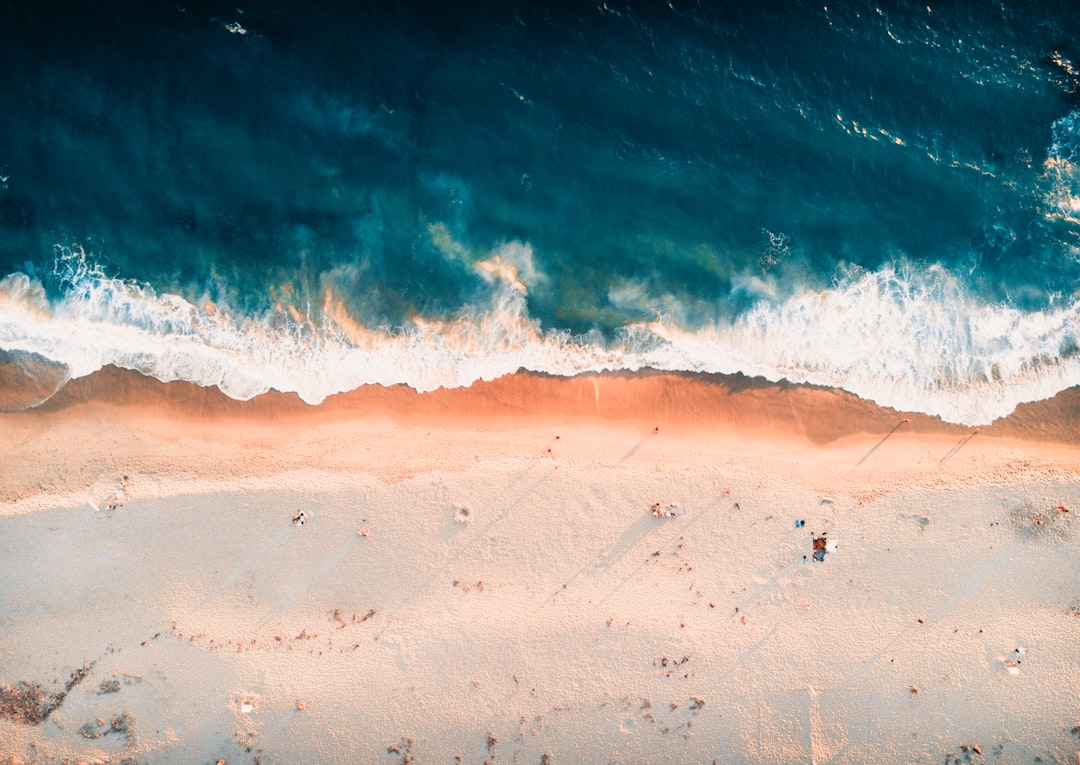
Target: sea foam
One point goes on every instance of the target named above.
(912, 339)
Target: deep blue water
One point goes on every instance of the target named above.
(878, 197)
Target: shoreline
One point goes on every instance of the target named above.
(818, 414)
(119, 421)
(479, 576)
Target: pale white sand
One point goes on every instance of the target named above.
(558, 617)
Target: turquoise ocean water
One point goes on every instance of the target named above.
(880, 197)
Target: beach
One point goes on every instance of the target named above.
(527, 383)
(608, 568)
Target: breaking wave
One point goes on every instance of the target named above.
(912, 339)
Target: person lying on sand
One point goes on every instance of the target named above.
(670, 511)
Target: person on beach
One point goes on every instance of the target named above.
(670, 511)
(116, 500)
(299, 518)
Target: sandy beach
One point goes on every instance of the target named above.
(613, 568)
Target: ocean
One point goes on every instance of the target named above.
(877, 197)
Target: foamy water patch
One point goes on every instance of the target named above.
(100, 321)
(1061, 171)
(912, 339)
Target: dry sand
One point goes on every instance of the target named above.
(480, 577)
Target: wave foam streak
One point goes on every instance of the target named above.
(914, 341)
(100, 320)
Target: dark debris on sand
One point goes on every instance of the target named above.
(404, 749)
(1041, 521)
(29, 704)
(123, 724)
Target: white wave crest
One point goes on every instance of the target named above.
(101, 320)
(915, 340)
(912, 340)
